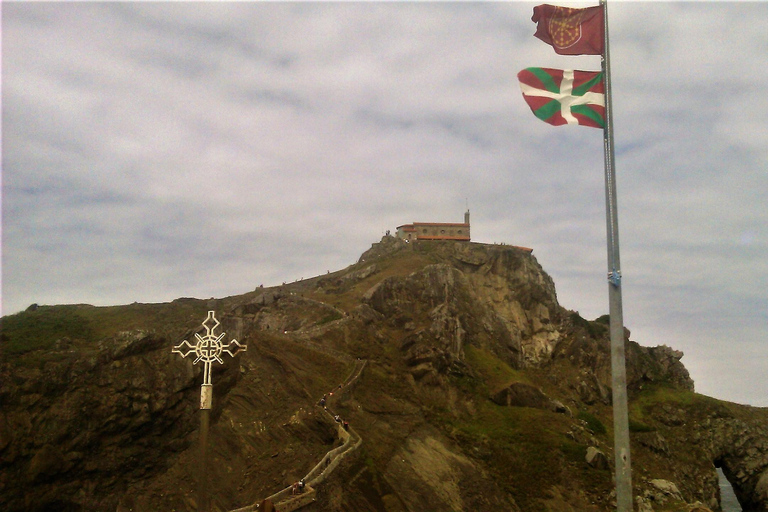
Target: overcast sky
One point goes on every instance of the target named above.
(161, 150)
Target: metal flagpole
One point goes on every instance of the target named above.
(623, 464)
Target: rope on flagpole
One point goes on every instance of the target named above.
(614, 273)
(622, 459)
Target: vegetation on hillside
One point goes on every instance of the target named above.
(438, 354)
(40, 327)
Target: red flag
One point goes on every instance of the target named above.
(570, 31)
(563, 96)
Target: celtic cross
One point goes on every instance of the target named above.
(208, 349)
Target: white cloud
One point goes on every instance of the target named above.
(158, 150)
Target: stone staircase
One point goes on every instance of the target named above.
(286, 500)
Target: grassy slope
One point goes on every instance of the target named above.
(528, 451)
(83, 324)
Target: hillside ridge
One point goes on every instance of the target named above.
(480, 393)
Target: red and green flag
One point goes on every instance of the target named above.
(564, 96)
(570, 31)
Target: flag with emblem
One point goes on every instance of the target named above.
(564, 96)
(570, 31)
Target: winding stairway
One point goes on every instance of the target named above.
(287, 500)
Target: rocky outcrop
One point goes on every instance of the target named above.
(287, 312)
(474, 369)
(513, 286)
(694, 435)
(387, 246)
(519, 394)
(587, 345)
(499, 298)
(434, 475)
(436, 304)
(658, 494)
(491, 296)
(740, 448)
(656, 364)
(87, 444)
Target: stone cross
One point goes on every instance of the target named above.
(208, 349)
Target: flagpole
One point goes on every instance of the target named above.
(623, 465)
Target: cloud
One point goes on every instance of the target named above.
(159, 150)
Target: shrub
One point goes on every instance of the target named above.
(637, 426)
(594, 424)
(40, 328)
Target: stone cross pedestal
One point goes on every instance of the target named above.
(208, 349)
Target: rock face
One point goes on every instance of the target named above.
(63, 443)
(438, 476)
(480, 393)
(497, 296)
(740, 448)
(110, 424)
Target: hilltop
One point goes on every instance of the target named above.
(478, 392)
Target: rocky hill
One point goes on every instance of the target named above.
(473, 390)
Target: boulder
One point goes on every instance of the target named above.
(519, 394)
(662, 490)
(596, 458)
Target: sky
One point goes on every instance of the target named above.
(152, 151)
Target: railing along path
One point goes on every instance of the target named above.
(287, 499)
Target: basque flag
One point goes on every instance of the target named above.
(564, 96)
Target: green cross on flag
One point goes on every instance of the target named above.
(564, 96)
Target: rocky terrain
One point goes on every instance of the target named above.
(479, 392)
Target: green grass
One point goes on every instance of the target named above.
(495, 373)
(597, 328)
(593, 423)
(83, 324)
(39, 329)
(637, 426)
(574, 452)
(527, 443)
(641, 404)
(330, 317)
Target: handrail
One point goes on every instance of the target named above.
(285, 500)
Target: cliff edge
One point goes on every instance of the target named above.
(481, 393)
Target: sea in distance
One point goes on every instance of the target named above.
(727, 498)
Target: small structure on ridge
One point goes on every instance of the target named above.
(435, 230)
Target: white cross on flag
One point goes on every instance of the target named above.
(564, 96)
